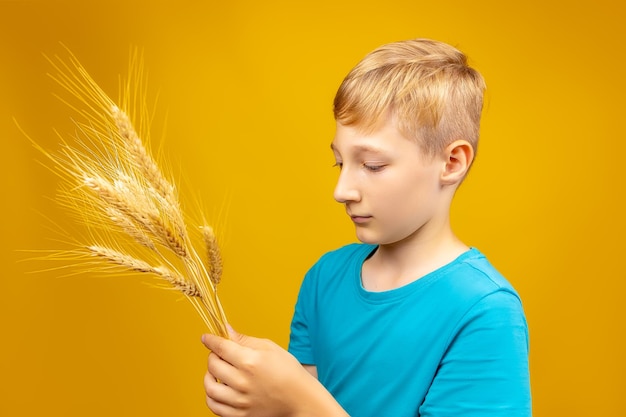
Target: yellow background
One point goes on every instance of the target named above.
(246, 89)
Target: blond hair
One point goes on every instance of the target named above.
(427, 86)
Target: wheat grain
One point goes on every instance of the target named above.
(214, 256)
(129, 227)
(128, 198)
(140, 155)
(134, 264)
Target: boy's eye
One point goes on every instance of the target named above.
(338, 165)
(373, 167)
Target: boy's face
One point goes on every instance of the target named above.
(390, 189)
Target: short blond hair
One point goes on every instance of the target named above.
(427, 86)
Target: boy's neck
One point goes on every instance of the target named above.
(398, 264)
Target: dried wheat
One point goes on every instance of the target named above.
(116, 189)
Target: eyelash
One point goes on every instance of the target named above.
(371, 168)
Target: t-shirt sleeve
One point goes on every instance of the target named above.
(300, 336)
(484, 371)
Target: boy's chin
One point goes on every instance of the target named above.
(368, 238)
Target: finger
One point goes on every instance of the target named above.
(216, 390)
(213, 342)
(225, 373)
(208, 340)
(248, 341)
(230, 351)
(223, 410)
(221, 393)
(233, 334)
(217, 398)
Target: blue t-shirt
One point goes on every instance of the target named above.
(452, 343)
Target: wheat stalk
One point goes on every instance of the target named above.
(116, 189)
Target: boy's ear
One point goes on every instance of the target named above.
(458, 158)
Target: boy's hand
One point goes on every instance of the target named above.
(250, 377)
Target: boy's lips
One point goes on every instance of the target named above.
(359, 218)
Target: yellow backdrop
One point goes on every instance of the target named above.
(246, 90)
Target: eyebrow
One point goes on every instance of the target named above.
(360, 149)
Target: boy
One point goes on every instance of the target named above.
(410, 322)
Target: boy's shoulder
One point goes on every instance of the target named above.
(472, 275)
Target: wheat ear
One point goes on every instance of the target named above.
(134, 264)
(214, 255)
(116, 189)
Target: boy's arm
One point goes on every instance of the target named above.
(484, 372)
(254, 377)
(312, 369)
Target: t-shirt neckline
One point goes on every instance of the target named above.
(387, 296)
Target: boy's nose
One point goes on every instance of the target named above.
(345, 190)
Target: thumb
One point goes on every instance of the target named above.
(239, 338)
(233, 334)
(246, 341)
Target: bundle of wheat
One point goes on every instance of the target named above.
(114, 187)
